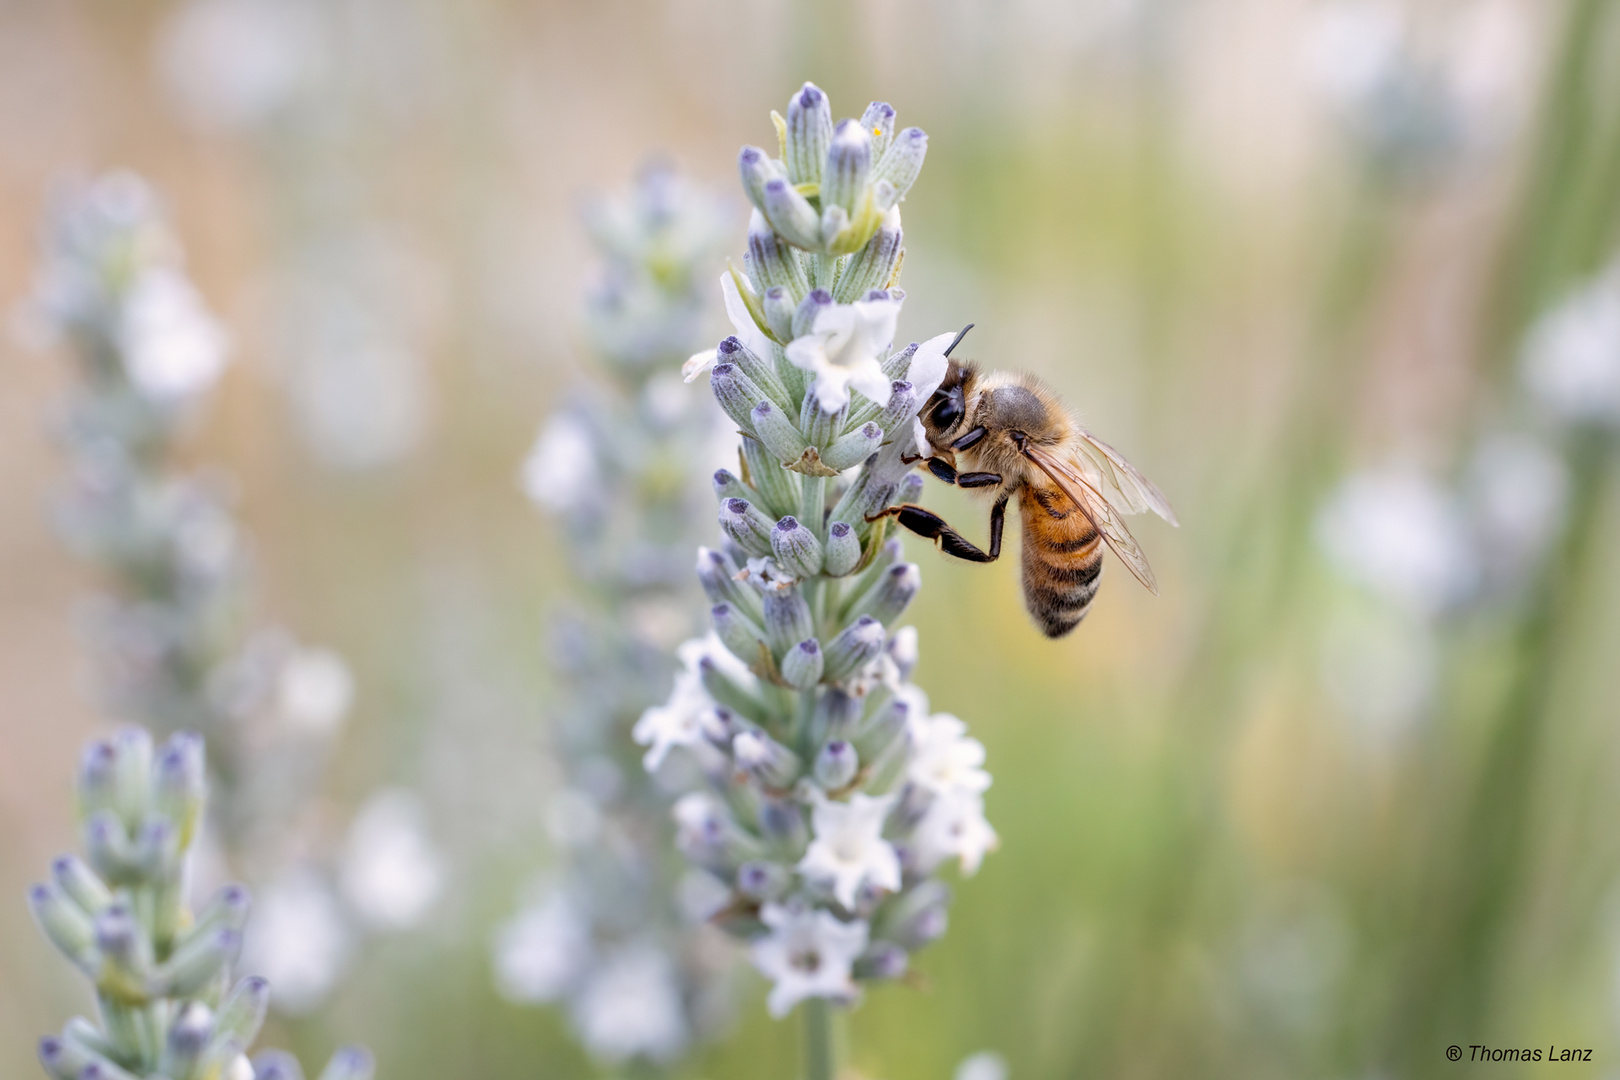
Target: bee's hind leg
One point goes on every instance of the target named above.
(927, 524)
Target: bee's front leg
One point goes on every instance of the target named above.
(927, 524)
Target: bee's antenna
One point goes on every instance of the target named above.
(959, 338)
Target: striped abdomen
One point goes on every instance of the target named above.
(1062, 559)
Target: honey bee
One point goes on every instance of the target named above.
(1015, 437)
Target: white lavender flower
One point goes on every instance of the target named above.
(615, 937)
(169, 646)
(1570, 359)
(825, 795)
(167, 1004)
(392, 874)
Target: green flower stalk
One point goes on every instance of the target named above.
(830, 794)
(167, 1005)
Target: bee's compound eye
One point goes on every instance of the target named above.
(947, 413)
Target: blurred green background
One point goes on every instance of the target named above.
(1255, 252)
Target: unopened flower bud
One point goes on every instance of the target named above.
(79, 882)
(853, 448)
(196, 963)
(706, 834)
(350, 1063)
(774, 263)
(879, 733)
(902, 161)
(782, 822)
(179, 787)
(792, 216)
(777, 432)
(801, 665)
(157, 852)
(132, 773)
(903, 650)
(227, 909)
(756, 368)
(779, 305)
(787, 619)
(740, 634)
(796, 548)
(747, 527)
(68, 926)
(736, 393)
(804, 318)
(717, 573)
(778, 488)
(757, 169)
(109, 849)
(892, 593)
(878, 120)
(760, 880)
(189, 1036)
(910, 488)
(768, 761)
(901, 409)
(728, 486)
(917, 917)
(723, 689)
(809, 131)
(882, 960)
(849, 163)
(854, 647)
(97, 780)
(836, 765)
(843, 552)
(242, 1013)
(837, 714)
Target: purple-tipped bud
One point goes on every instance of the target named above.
(108, 847)
(779, 305)
(756, 169)
(796, 548)
(706, 834)
(836, 765)
(777, 432)
(755, 367)
(877, 736)
(874, 265)
(918, 917)
(853, 448)
(767, 760)
(903, 650)
(747, 527)
(276, 1065)
(792, 216)
(727, 692)
(736, 393)
(787, 620)
(242, 1013)
(910, 488)
(892, 594)
(897, 365)
(902, 161)
(761, 881)
(778, 488)
(843, 550)
(878, 120)
(75, 878)
(771, 262)
(801, 665)
(727, 486)
(717, 573)
(179, 785)
(117, 934)
(782, 822)
(741, 635)
(854, 647)
(809, 131)
(849, 163)
(883, 960)
(901, 409)
(98, 775)
(188, 1038)
(198, 962)
(810, 308)
(66, 924)
(133, 773)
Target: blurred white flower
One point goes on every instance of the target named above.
(808, 953)
(391, 872)
(229, 64)
(985, 1065)
(679, 721)
(849, 849)
(172, 347)
(954, 827)
(845, 348)
(1352, 47)
(631, 1006)
(1401, 534)
(314, 691)
(298, 940)
(1379, 668)
(561, 468)
(945, 759)
(1571, 356)
(539, 953)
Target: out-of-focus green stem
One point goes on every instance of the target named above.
(819, 1055)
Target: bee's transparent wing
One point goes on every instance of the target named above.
(1102, 515)
(1107, 471)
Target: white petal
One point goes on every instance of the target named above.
(747, 330)
(870, 380)
(697, 363)
(928, 366)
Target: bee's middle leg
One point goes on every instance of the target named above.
(931, 526)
